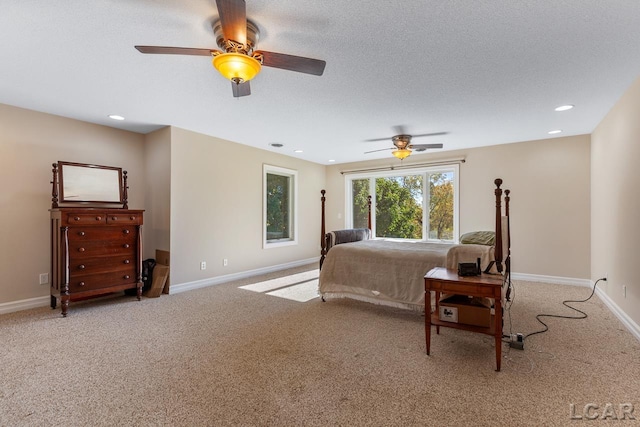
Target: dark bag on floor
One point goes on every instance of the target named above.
(147, 273)
(147, 276)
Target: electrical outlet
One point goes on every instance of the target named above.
(225, 262)
(624, 291)
(203, 265)
(44, 278)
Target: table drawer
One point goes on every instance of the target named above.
(463, 289)
(466, 289)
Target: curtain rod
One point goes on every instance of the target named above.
(414, 165)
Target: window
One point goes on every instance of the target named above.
(414, 204)
(279, 206)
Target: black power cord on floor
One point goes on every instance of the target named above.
(565, 303)
(511, 291)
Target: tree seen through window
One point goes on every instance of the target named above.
(400, 204)
(278, 224)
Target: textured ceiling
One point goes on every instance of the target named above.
(486, 72)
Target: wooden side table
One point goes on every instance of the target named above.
(440, 280)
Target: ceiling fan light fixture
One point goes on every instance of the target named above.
(237, 67)
(401, 153)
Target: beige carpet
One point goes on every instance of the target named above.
(225, 356)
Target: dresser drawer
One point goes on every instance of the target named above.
(87, 249)
(124, 218)
(101, 234)
(95, 265)
(88, 218)
(90, 282)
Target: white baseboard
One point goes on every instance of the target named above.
(24, 304)
(197, 284)
(551, 279)
(628, 322)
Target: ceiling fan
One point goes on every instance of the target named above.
(403, 145)
(237, 60)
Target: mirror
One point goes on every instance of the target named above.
(83, 183)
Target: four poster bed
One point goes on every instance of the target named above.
(386, 272)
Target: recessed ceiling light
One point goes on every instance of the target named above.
(553, 132)
(276, 145)
(297, 151)
(331, 161)
(564, 107)
(116, 117)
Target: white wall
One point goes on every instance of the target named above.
(615, 204)
(550, 199)
(157, 194)
(29, 143)
(216, 207)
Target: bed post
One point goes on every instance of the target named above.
(369, 215)
(507, 250)
(323, 241)
(498, 248)
(506, 201)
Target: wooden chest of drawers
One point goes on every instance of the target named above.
(93, 252)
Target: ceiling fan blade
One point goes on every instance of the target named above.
(233, 18)
(401, 132)
(242, 89)
(418, 146)
(293, 63)
(375, 151)
(430, 134)
(174, 50)
(378, 139)
(422, 147)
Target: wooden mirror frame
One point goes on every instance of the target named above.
(81, 183)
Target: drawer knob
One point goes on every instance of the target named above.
(80, 249)
(81, 233)
(81, 267)
(114, 218)
(132, 218)
(81, 283)
(76, 218)
(126, 246)
(126, 261)
(126, 231)
(126, 276)
(98, 218)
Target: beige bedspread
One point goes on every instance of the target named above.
(391, 272)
